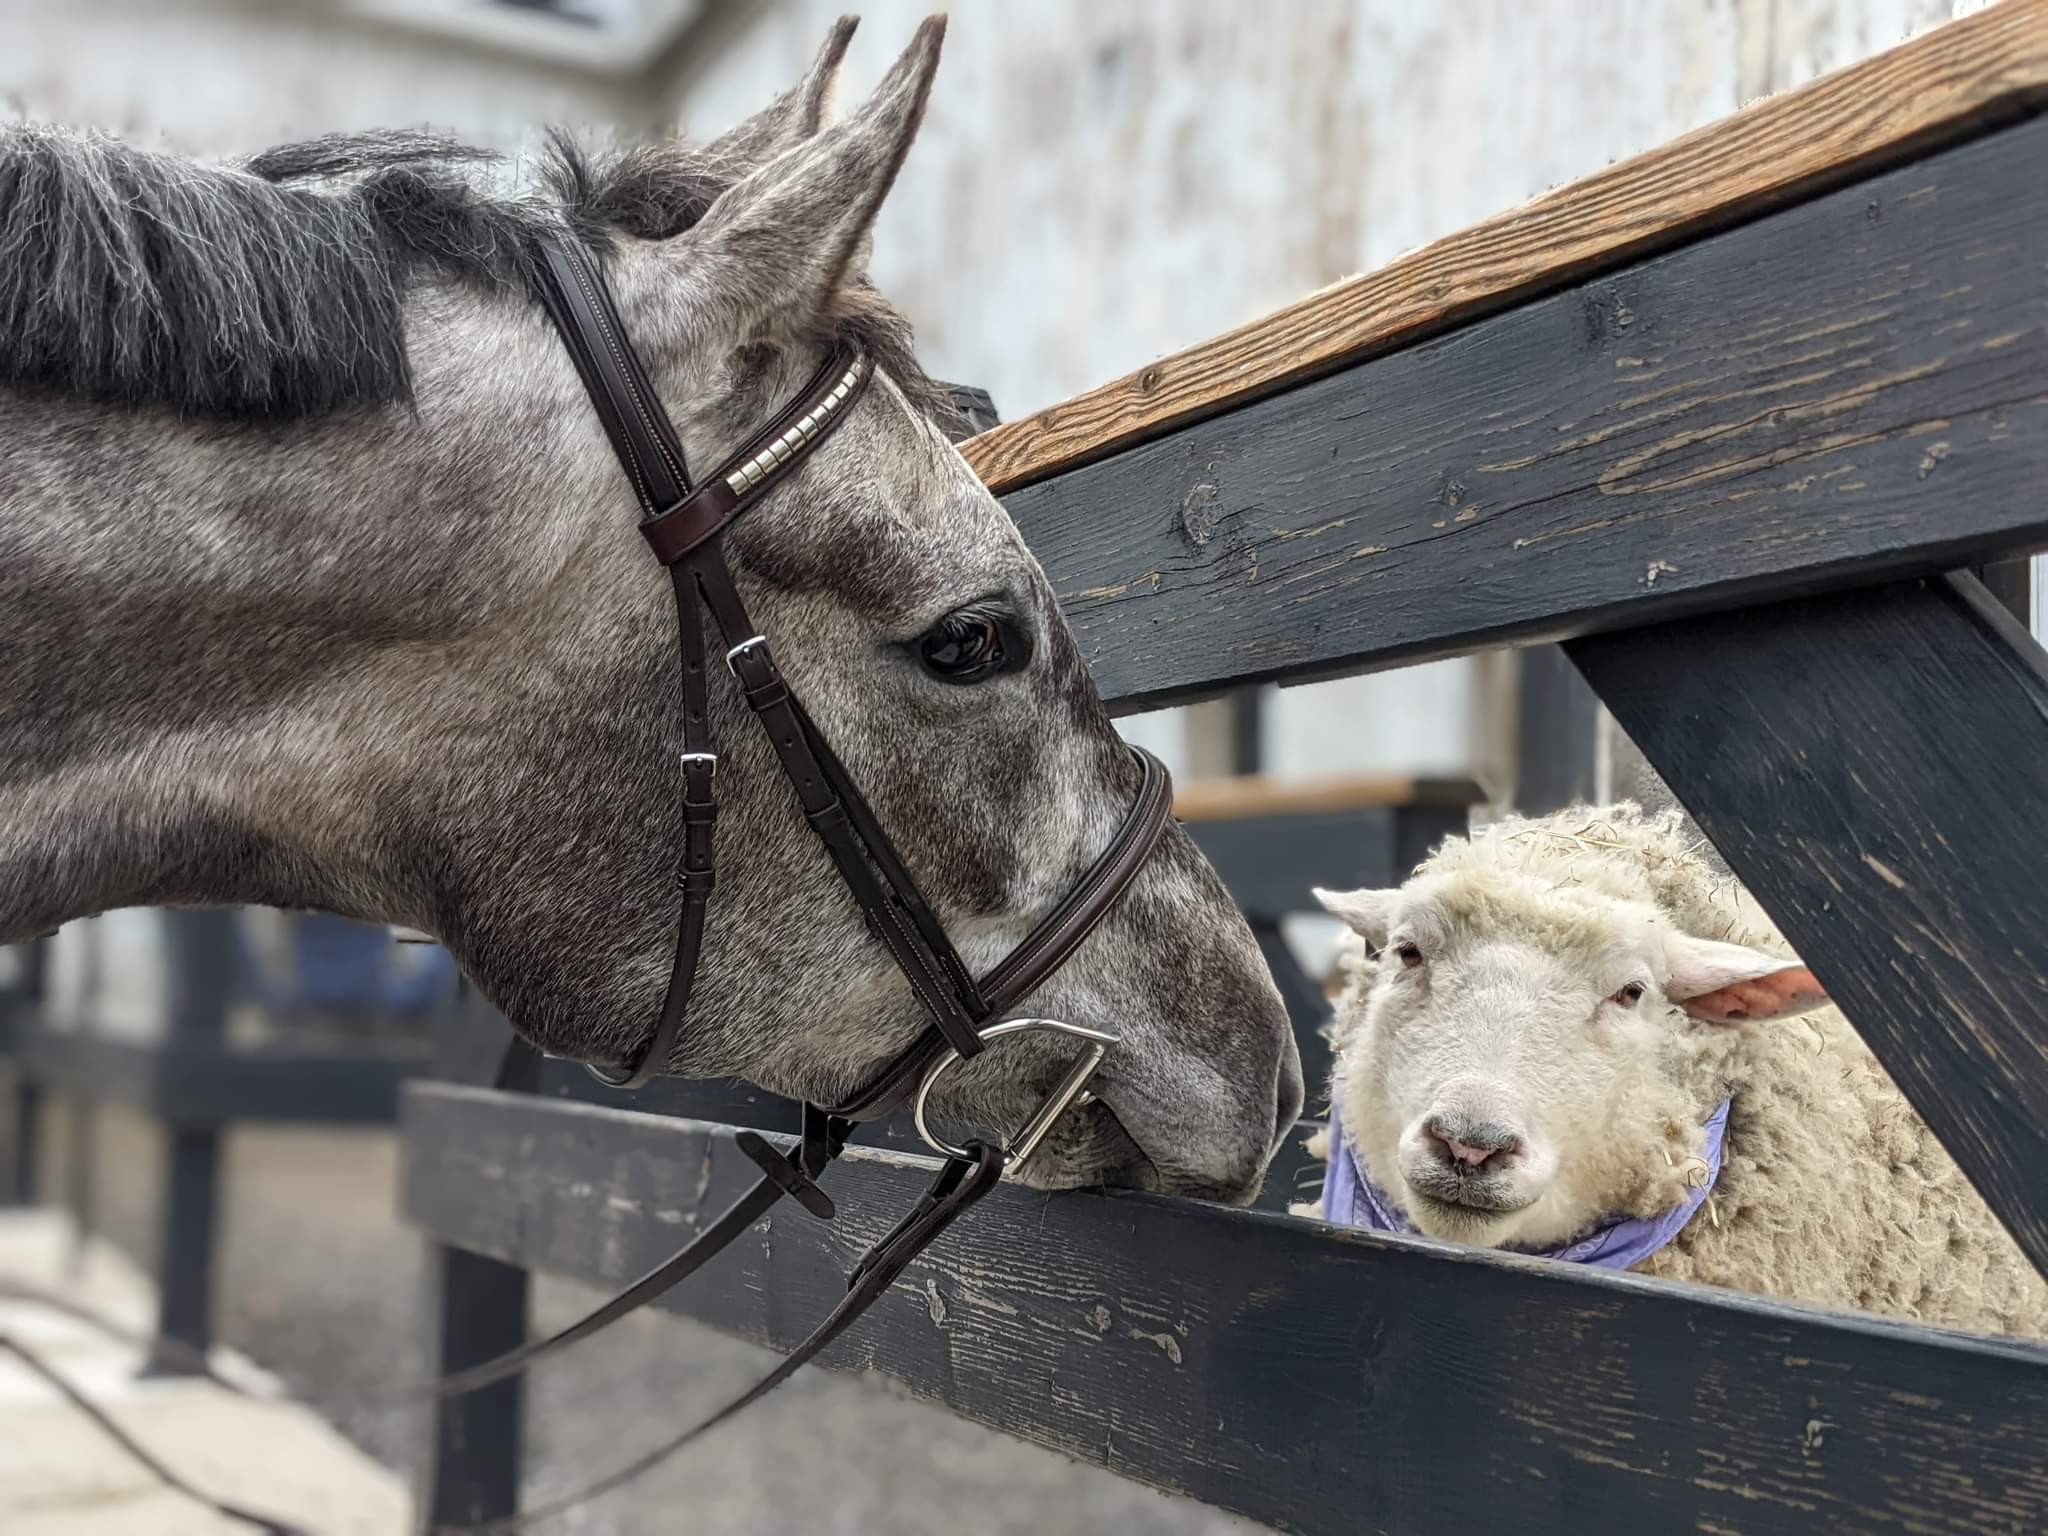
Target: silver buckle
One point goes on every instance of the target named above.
(745, 645)
(688, 758)
(1069, 1091)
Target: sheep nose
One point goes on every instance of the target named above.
(1473, 1147)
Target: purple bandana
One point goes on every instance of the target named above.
(1350, 1199)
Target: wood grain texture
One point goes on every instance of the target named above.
(469, 1041)
(1848, 389)
(1320, 1381)
(1872, 766)
(1989, 67)
(1253, 794)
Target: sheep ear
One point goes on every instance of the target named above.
(1369, 914)
(1720, 983)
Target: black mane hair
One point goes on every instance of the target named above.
(275, 288)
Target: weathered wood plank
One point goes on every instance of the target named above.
(1320, 1381)
(1253, 794)
(472, 1309)
(1874, 766)
(1985, 68)
(1760, 414)
(469, 1041)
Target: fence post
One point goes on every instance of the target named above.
(478, 1307)
(202, 958)
(22, 1004)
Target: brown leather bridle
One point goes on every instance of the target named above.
(682, 525)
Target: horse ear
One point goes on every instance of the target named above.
(1718, 983)
(771, 254)
(797, 114)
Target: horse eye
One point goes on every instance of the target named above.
(1411, 955)
(972, 645)
(1629, 995)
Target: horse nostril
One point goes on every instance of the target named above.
(1472, 1148)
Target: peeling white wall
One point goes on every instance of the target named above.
(221, 77)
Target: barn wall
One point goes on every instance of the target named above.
(221, 77)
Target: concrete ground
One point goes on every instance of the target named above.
(61, 1475)
(320, 1283)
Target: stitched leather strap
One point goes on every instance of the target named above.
(870, 868)
(702, 514)
(581, 306)
(1053, 941)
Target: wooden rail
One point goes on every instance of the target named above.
(1770, 411)
(1988, 68)
(1319, 1380)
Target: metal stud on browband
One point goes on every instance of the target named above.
(784, 448)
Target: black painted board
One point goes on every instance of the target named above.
(1271, 862)
(469, 1041)
(189, 1217)
(1839, 390)
(193, 1084)
(19, 1003)
(478, 1306)
(473, 1309)
(1320, 1381)
(1874, 766)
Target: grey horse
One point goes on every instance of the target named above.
(321, 591)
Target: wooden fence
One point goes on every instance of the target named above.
(194, 1084)
(1725, 420)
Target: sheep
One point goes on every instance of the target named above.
(1538, 1032)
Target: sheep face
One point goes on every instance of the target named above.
(1525, 1058)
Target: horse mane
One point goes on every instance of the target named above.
(275, 288)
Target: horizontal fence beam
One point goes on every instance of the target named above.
(469, 1040)
(204, 1085)
(1272, 863)
(1771, 411)
(1316, 1380)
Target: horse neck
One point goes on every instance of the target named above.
(220, 634)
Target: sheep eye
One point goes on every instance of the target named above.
(1629, 995)
(1411, 955)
